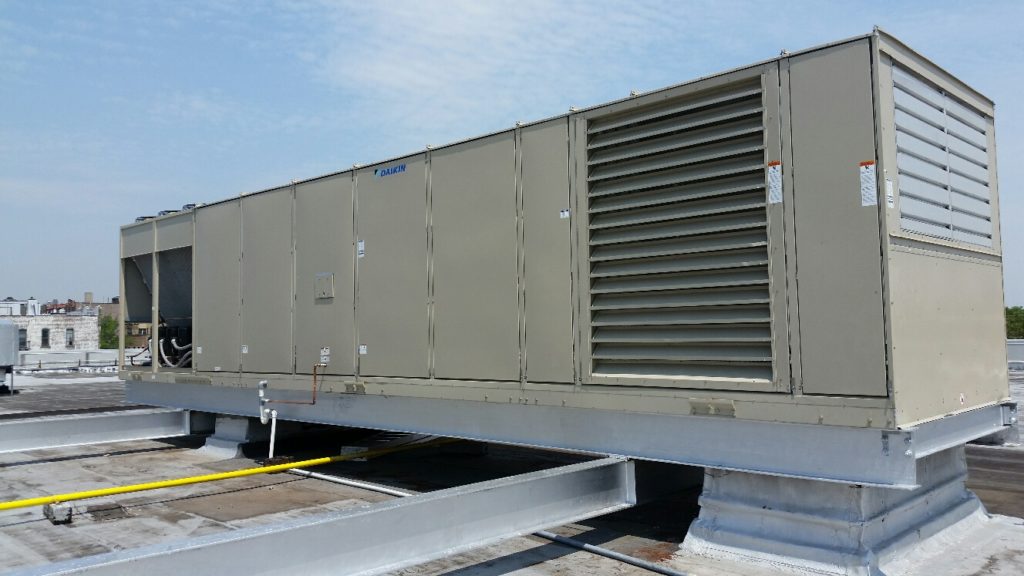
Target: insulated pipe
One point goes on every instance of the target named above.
(571, 542)
(187, 356)
(174, 344)
(57, 498)
(163, 356)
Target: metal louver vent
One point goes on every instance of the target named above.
(678, 239)
(942, 158)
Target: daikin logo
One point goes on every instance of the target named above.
(382, 172)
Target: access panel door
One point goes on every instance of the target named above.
(547, 252)
(476, 307)
(392, 264)
(267, 282)
(324, 285)
(215, 326)
(838, 249)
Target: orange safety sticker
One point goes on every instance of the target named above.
(867, 163)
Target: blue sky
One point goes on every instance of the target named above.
(111, 110)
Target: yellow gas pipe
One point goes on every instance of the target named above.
(56, 498)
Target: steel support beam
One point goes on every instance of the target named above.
(938, 435)
(386, 536)
(867, 456)
(81, 429)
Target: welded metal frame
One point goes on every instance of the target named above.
(850, 455)
(20, 435)
(389, 535)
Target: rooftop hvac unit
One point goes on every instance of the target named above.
(788, 255)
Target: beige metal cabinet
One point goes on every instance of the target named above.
(137, 240)
(217, 310)
(174, 232)
(475, 260)
(812, 239)
(839, 281)
(547, 253)
(324, 284)
(266, 344)
(392, 263)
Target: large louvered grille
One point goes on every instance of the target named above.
(678, 239)
(942, 159)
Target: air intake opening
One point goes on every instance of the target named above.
(942, 159)
(678, 239)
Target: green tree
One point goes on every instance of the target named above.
(1015, 322)
(108, 332)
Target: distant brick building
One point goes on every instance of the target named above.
(58, 332)
(66, 327)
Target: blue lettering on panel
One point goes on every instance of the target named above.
(390, 170)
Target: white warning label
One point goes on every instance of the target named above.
(890, 195)
(868, 184)
(774, 182)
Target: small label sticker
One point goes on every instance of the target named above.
(199, 349)
(361, 248)
(362, 349)
(563, 214)
(325, 355)
(775, 182)
(890, 195)
(868, 184)
(245, 349)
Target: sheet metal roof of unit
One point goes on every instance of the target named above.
(877, 32)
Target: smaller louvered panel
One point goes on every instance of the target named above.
(676, 158)
(708, 315)
(695, 280)
(684, 335)
(718, 133)
(688, 370)
(718, 187)
(678, 240)
(680, 246)
(678, 299)
(942, 159)
(746, 220)
(685, 175)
